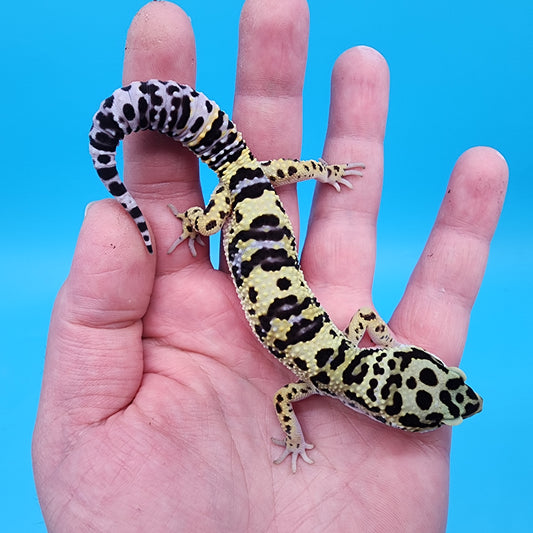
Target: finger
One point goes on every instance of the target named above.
(160, 44)
(94, 356)
(340, 249)
(435, 309)
(270, 73)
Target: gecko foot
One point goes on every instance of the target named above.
(301, 451)
(188, 232)
(336, 174)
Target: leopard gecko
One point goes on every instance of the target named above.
(399, 385)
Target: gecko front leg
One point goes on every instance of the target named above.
(198, 221)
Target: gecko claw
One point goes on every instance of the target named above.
(301, 451)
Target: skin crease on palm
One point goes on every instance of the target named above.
(156, 407)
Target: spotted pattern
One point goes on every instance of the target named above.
(398, 385)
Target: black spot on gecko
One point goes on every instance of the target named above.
(185, 111)
(378, 370)
(197, 125)
(268, 260)
(367, 352)
(372, 384)
(406, 359)
(254, 190)
(411, 383)
(339, 359)
(454, 383)
(252, 294)
(321, 378)
(470, 409)
(276, 353)
(300, 363)
(108, 122)
(265, 220)
(104, 159)
(349, 378)
(242, 174)
(171, 89)
(108, 173)
(446, 398)
(369, 316)
(108, 102)
(265, 324)
(287, 307)
(212, 135)
(162, 119)
(358, 401)
(394, 379)
(410, 421)
(436, 418)
(323, 355)
(428, 377)
(381, 356)
(142, 106)
(264, 228)
(283, 284)
(396, 406)
(104, 142)
(301, 331)
(423, 400)
(117, 188)
(135, 212)
(260, 332)
(129, 111)
(471, 394)
(279, 401)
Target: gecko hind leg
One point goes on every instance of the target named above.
(294, 441)
(367, 320)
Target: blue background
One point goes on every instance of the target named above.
(461, 75)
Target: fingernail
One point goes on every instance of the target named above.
(87, 207)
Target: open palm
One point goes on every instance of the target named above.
(156, 410)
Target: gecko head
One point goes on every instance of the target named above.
(432, 394)
(459, 401)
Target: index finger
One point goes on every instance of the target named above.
(270, 74)
(158, 170)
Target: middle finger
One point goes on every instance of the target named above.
(270, 74)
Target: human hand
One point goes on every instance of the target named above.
(156, 410)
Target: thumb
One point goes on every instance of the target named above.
(94, 359)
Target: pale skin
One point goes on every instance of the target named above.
(156, 408)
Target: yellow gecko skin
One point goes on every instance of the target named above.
(399, 385)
